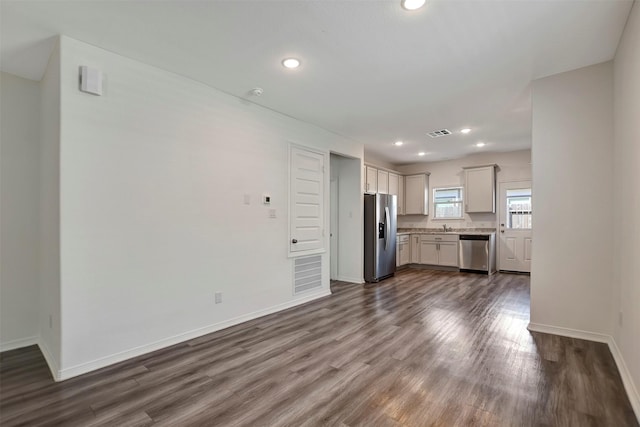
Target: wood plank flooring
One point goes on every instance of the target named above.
(425, 348)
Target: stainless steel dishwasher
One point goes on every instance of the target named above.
(477, 253)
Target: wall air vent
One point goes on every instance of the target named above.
(307, 274)
(439, 133)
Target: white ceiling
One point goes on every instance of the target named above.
(370, 70)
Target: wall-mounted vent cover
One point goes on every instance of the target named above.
(439, 133)
(307, 274)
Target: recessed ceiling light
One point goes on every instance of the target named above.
(412, 4)
(398, 143)
(465, 130)
(291, 62)
(422, 153)
(480, 144)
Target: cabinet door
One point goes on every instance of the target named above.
(393, 183)
(480, 189)
(383, 182)
(415, 248)
(405, 253)
(429, 252)
(448, 254)
(364, 179)
(372, 180)
(400, 195)
(415, 191)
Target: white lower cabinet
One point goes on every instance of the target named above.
(415, 249)
(439, 249)
(403, 250)
(448, 254)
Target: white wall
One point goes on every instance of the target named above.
(153, 177)
(512, 166)
(374, 159)
(49, 236)
(19, 220)
(626, 196)
(572, 182)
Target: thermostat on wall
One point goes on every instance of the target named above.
(266, 199)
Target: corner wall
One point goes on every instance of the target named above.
(20, 190)
(626, 197)
(154, 175)
(49, 265)
(572, 181)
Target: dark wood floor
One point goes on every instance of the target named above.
(425, 348)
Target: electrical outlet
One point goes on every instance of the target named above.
(218, 297)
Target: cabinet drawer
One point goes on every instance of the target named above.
(439, 238)
(403, 238)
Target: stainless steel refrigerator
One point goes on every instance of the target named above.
(380, 211)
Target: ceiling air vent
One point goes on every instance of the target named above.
(439, 133)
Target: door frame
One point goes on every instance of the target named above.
(528, 183)
(334, 228)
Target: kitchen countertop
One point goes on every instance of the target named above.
(480, 231)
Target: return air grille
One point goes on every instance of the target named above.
(307, 274)
(439, 133)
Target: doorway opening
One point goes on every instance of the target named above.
(345, 219)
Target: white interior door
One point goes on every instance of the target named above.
(306, 203)
(515, 217)
(333, 228)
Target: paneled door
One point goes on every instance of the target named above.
(306, 200)
(514, 231)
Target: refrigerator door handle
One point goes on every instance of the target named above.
(387, 227)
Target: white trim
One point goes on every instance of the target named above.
(51, 361)
(356, 280)
(625, 375)
(627, 380)
(83, 368)
(19, 343)
(567, 332)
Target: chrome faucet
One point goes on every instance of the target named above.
(444, 227)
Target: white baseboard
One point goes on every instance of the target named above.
(567, 332)
(19, 343)
(357, 280)
(102, 362)
(627, 380)
(51, 361)
(625, 375)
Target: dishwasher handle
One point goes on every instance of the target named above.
(474, 237)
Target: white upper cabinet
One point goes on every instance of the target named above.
(480, 189)
(383, 182)
(416, 194)
(371, 185)
(393, 183)
(400, 195)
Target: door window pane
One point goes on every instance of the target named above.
(519, 209)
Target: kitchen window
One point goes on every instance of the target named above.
(447, 203)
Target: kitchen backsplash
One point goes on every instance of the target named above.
(423, 222)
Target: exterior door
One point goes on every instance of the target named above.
(515, 218)
(306, 200)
